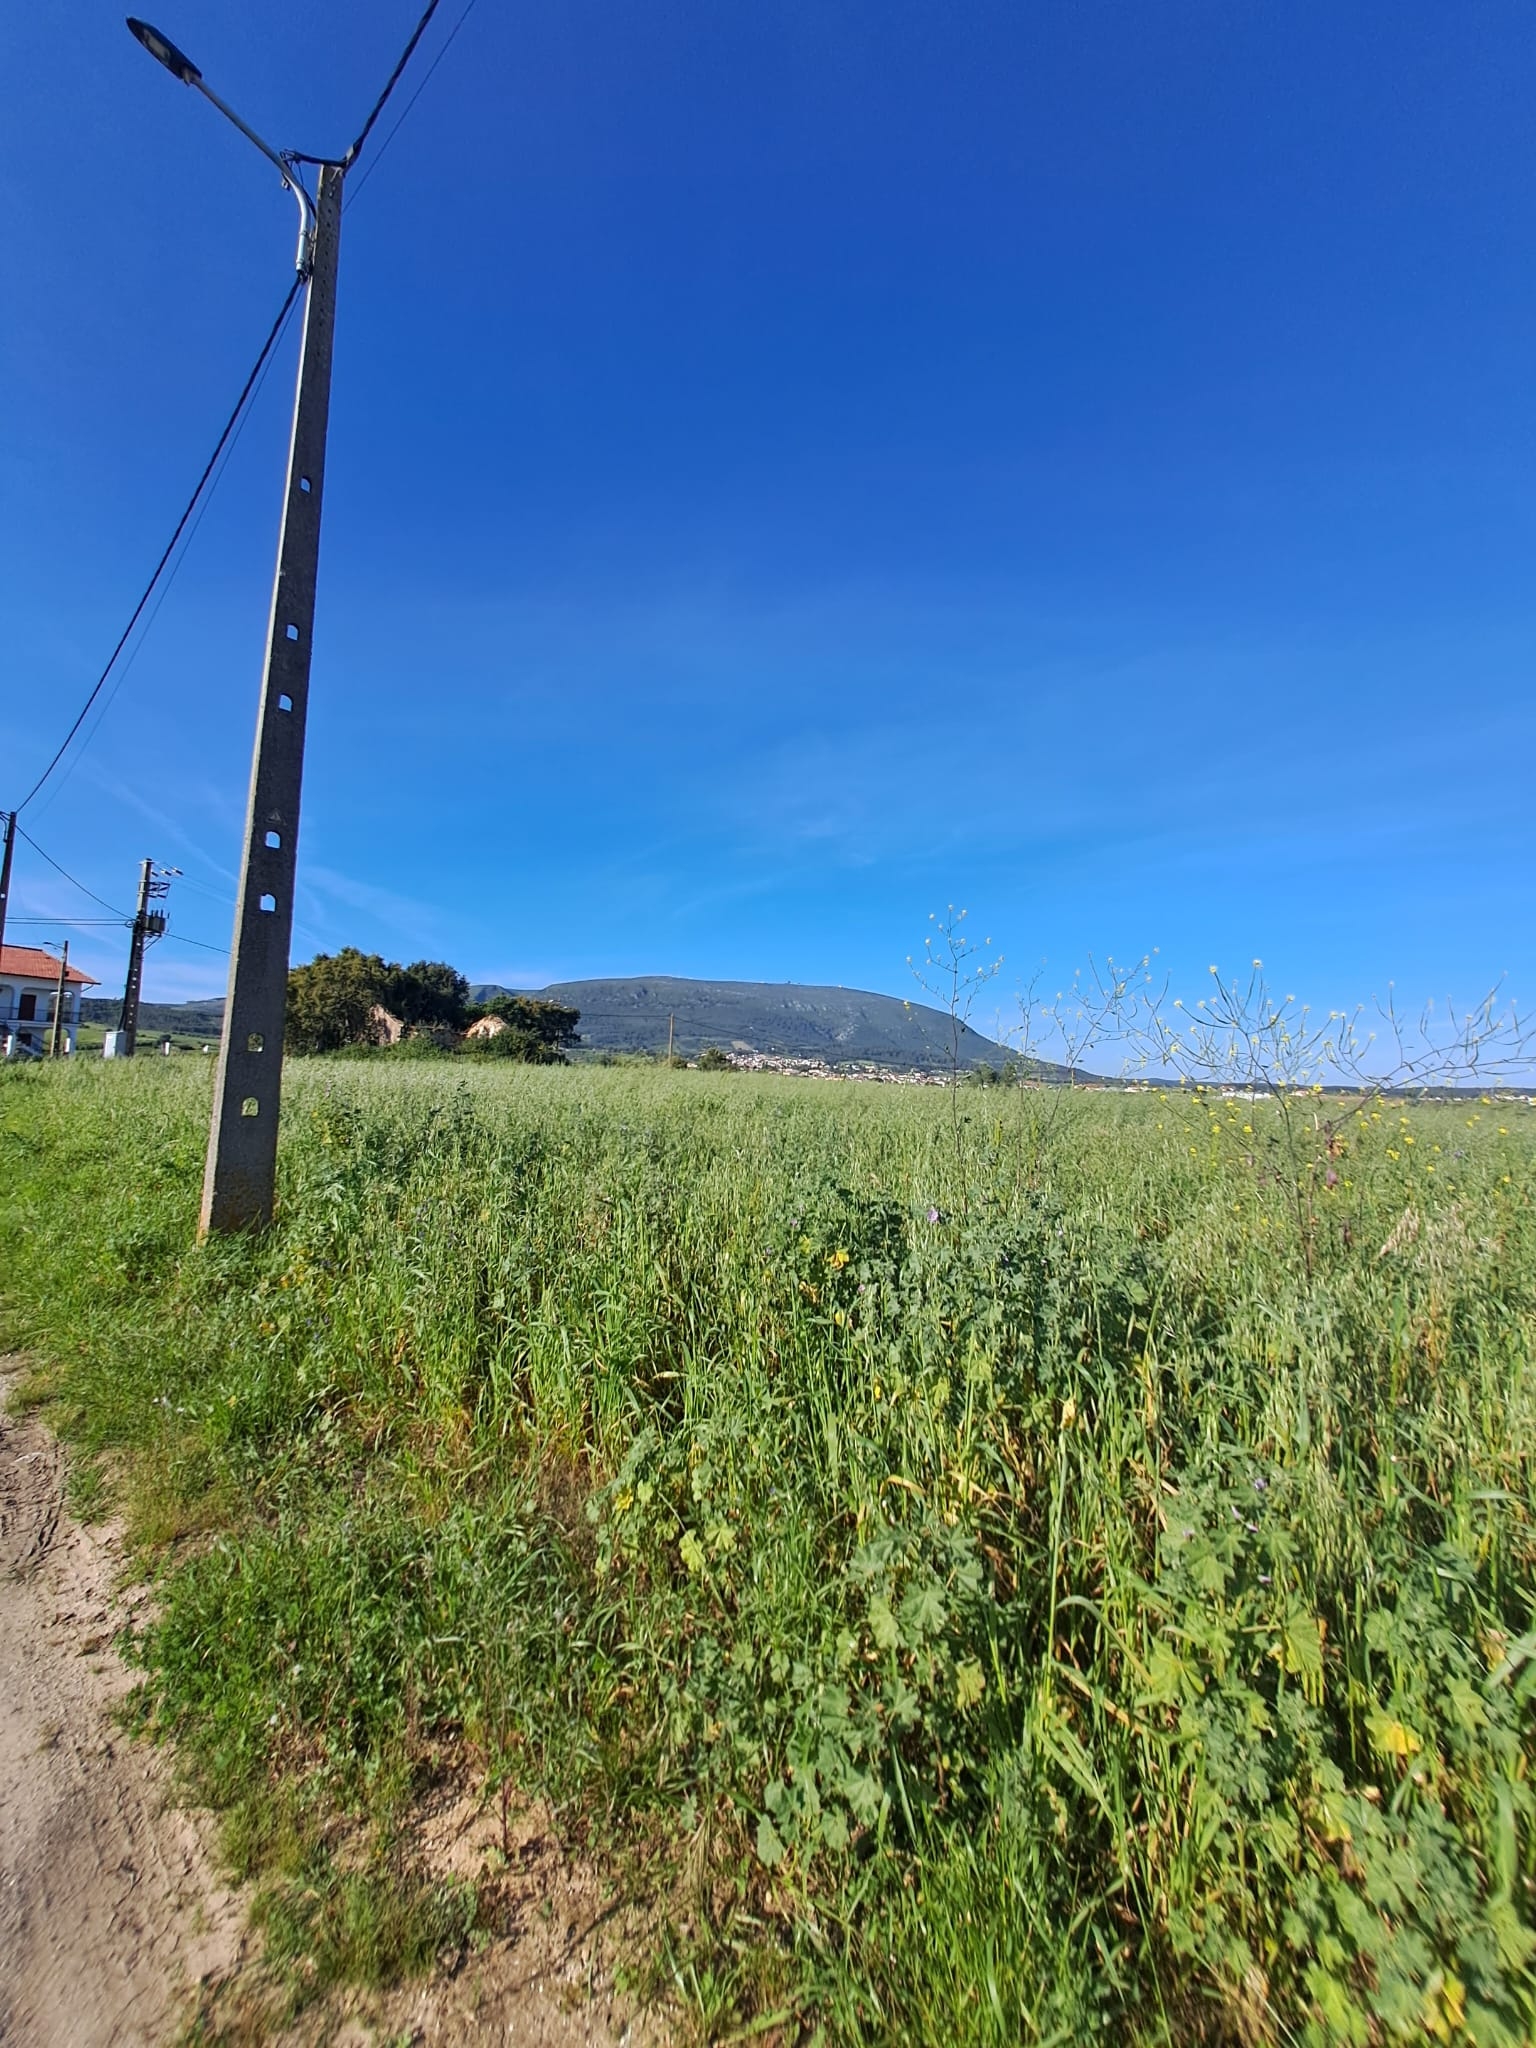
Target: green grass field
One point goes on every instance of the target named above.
(997, 1568)
(88, 1039)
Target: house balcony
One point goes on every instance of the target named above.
(26, 1029)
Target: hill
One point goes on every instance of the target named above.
(203, 1019)
(790, 1019)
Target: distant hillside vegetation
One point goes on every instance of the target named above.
(204, 1019)
(790, 1019)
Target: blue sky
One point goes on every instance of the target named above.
(796, 465)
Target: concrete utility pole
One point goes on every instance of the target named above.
(147, 924)
(239, 1183)
(128, 1015)
(58, 1004)
(240, 1179)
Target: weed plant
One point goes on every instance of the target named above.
(1015, 1587)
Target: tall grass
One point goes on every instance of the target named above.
(1019, 1588)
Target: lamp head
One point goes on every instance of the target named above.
(164, 51)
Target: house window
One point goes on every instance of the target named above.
(26, 1009)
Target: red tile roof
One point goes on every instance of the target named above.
(31, 963)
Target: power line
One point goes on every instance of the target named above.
(415, 96)
(229, 427)
(394, 79)
(117, 917)
(225, 898)
(120, 914)
(165, 587)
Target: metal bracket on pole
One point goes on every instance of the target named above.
(240, 1180)
(180, 66)
(284, 161)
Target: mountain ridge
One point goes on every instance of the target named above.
(629, 1014)
(794, 1020)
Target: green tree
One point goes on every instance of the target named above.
(331, 1001)
(537, 1030)
(428, 992)
(713, 1061)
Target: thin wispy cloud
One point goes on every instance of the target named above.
(407, 915)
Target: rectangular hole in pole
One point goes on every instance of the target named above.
(274, 839)
(254, 1042)
(250, 1106)
(284, 703)
(267, 902)
(291, 630)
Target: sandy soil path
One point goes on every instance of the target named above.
(109, 1907)
(112, 1917)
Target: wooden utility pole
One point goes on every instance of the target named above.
(58, 1004)
(239, 1182)
(671, 1019)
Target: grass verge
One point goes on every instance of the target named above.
(998, 1571)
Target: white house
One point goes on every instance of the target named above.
(29, 982)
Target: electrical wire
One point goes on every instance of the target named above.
(165, 587)
(394, 79)
(378, 156)
(225, 898)
(229, 427)
(117, 917)
(64, 871)
(257, 369)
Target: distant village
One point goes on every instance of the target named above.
(850, 1070)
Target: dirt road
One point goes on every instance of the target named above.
(109, 1907)
(111, 1913)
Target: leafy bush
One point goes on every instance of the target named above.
(537, 1030)
(334, 999)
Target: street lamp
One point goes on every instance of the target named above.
(239, 1182)
(180, 65)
